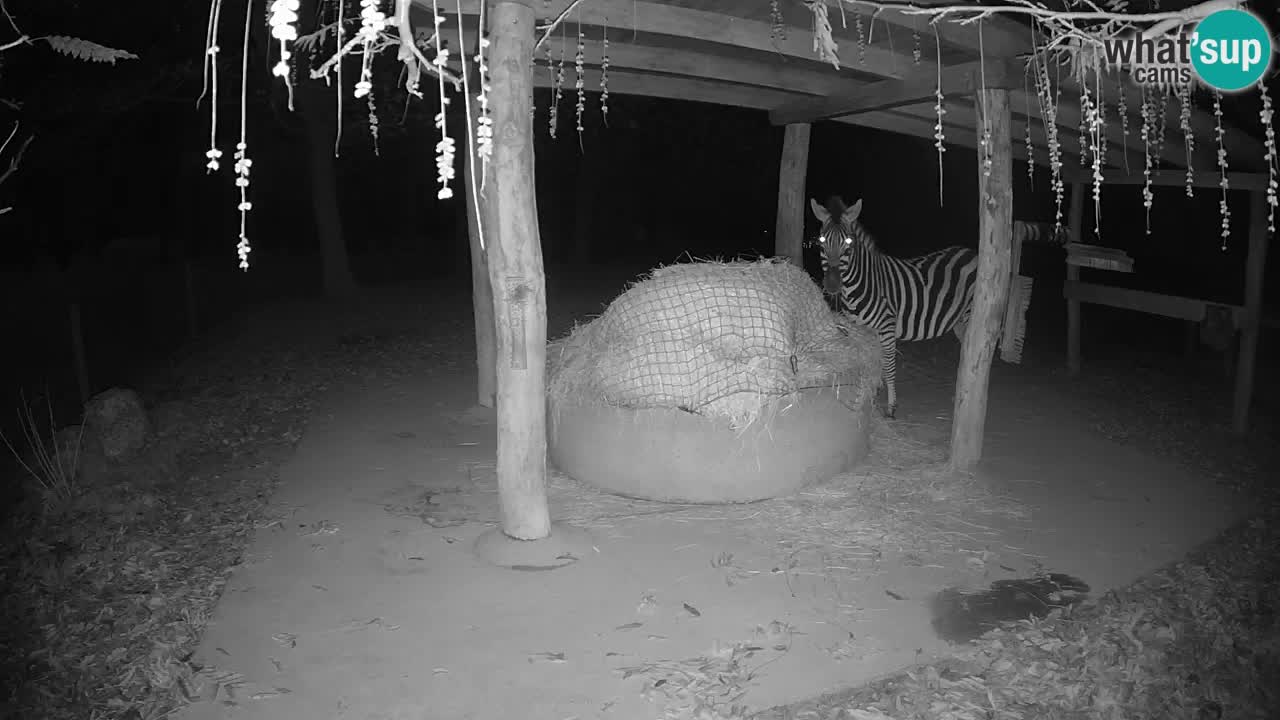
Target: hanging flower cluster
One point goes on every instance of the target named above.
(1096, 123)
(444, 148)
(1122, 107)
(1086, 104)
(372, 23)
(1163, 118)
(777, 27)
(243, 163)
(1148, 122)
(939, 110)
(1188, 135)
(580, 83)
(373, 123)
(211, 50)
(862, 37)
(1267, 115)
(484, 124)
(557, 87)
(1031, 148)
(916, 53)
(604, 73)
(986, 121)
(284, 13)
(242, 166)
(1223, 183)
(1049, 117)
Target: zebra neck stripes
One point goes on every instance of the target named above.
(909, 299)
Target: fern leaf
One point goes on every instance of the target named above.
(85, 50)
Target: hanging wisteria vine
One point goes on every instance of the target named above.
(1223, 182)
(1075, 35)
(580, 82)
(939, 110)
(1188, 136)
(1267, 115)
(604, 73)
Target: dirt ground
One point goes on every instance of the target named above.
(359, 595)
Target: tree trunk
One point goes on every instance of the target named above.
(1255, 265)
(995, 238)
(1075, 233)
(321, 129)
(792, 171)
(516, 273)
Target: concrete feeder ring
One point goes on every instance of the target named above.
(672, 455)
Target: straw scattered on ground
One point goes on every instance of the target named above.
(105, 598)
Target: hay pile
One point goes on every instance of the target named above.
(718, 339)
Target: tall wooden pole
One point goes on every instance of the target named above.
(516, 274)
(995, 245)
(1075, 230)
(792, 171)
(481, 290)
(1256, 262)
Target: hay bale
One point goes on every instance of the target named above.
(712, 383)
(718, 339)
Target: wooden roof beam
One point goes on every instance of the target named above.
(1001, 37)
(629, 20)
(1174, 178)
(703, 66)
(918, 87)
(692, 89)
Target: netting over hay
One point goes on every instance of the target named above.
(718, 339)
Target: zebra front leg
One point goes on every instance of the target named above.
(889, 364)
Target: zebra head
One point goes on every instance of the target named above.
(840, 229)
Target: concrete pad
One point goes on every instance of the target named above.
(360, 609)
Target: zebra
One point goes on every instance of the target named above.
(911, 299)
(1040, 233)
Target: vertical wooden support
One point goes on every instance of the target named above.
(995, 244)
(481, 289)
(1075, 230)
(1246, 361)
(792, 171)
(516, 274)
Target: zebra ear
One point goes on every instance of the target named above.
(851, 214)
(819, 211)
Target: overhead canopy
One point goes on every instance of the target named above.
(730, 52)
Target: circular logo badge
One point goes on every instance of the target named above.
(1231, 49)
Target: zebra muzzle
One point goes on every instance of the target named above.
(831, 283)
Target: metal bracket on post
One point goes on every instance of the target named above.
(517, 296)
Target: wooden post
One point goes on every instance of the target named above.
(481, 290)
(1252, 317)
(1075, 229)
(995, 244)
(792, 171)
(516, 274)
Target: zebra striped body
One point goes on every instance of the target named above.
(1039, 233)
(910, 299)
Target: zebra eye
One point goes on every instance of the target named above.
(848, 241)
